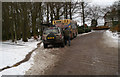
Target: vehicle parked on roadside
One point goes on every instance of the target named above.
(52, 36)
(67, 23)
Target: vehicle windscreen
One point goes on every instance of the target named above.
(51, 30)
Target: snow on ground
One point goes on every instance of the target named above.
(19, 70)
(84, 34)
(111, 38)
(41, 44)
(11, 53)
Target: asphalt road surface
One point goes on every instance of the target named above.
(87, 55)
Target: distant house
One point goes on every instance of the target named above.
(111, 18)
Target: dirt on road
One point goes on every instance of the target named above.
(87, 55)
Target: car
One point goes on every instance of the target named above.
(53, 36)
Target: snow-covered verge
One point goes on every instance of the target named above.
(111, 39)
(11, 53)
(84, 34)
(21, 69)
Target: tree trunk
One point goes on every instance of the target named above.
(12, 23)
(41, 18)
(51, 14)
(66, 12)
(24, 23)
(83, 13)
(6, 22)
(34, 20)
(57, 14)
(70, 10)
(47, 13)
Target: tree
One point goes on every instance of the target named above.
(70, 10)
(115, 15)
(24, 19)
(83, 13)
(47, 13)
(66, 10)
(24, 26)
(51, 11)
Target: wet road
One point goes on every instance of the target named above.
(87, 55)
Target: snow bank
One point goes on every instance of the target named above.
(114, 35)
(11, 53)
(84, 34)
(111, 39)
(21, 69)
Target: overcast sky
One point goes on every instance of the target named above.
(102, 3)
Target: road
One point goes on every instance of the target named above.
(87, 55)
